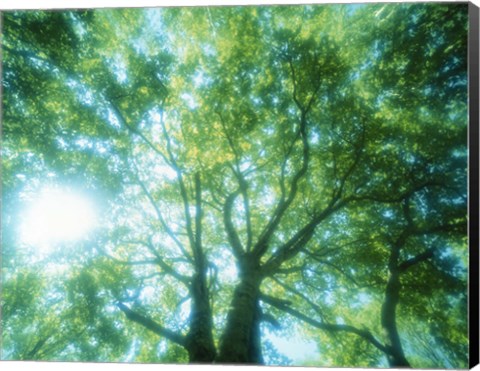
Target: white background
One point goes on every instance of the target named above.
(49, 4)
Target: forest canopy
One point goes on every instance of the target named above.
(280, 185)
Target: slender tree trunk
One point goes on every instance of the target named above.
(200, 344)
(396, 357)
(240, 342)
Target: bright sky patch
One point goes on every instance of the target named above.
(56, 216)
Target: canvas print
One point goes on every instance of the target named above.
(273, 185)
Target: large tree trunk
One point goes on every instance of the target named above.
(240, 342)
(396, 358)
(200, 344)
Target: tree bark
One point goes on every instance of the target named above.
(200, 344)
(396, 356)
(240, 342)
(199, 341)
(255, 346)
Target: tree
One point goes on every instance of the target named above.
(255, 166)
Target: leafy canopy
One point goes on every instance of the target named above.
(320, 147)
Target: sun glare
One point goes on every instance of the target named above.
(57, 216)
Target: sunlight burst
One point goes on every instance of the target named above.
(57, 216)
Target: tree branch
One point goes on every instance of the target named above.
(181, 184)
(243, 186)
(302, 237)
(152, 325)
(402, 267)
(262, 244)
(167, 268)
(126, 262)
(123, 121)
(365, 334)
(314, 306)
(160, 217)
(232, 234)
(294, 81)
(198, 250)
(390, 200)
